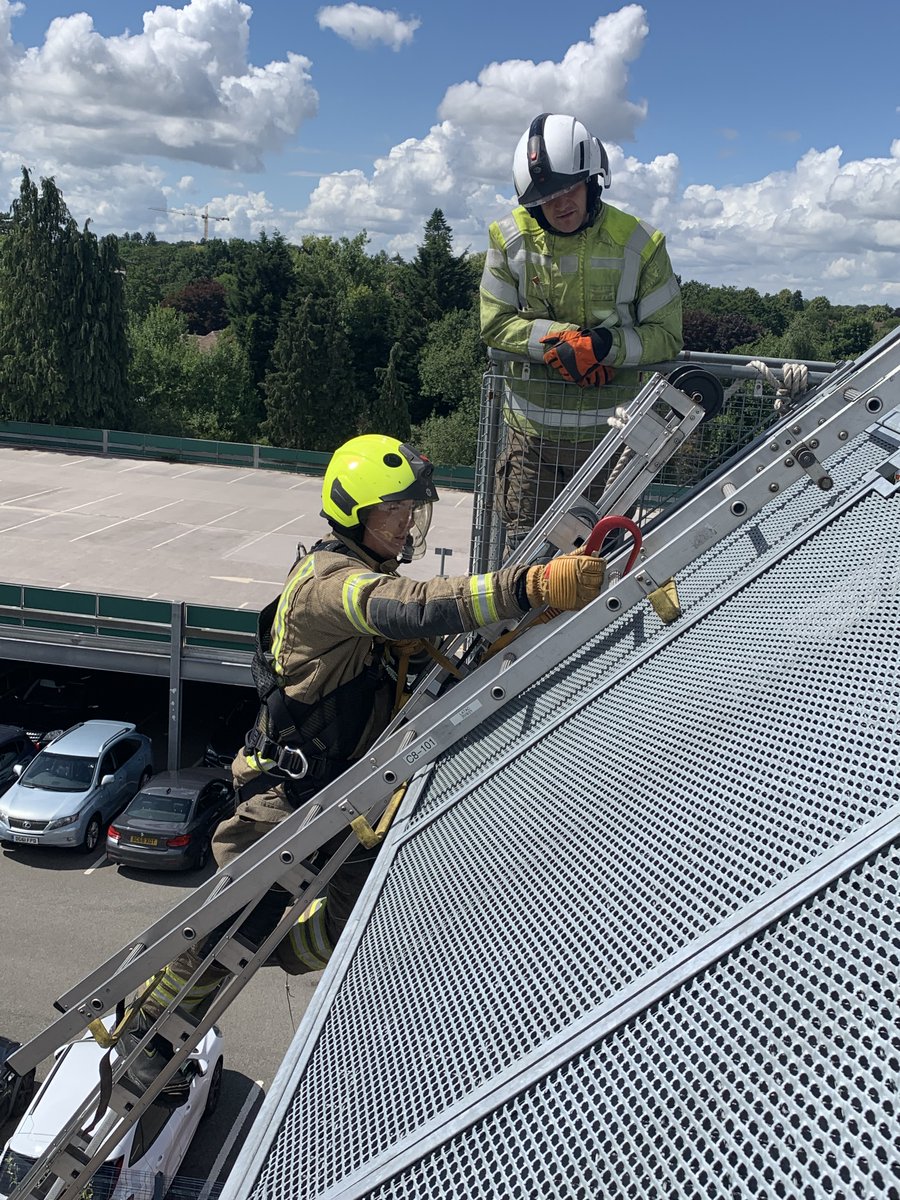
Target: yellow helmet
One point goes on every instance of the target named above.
(375, 469)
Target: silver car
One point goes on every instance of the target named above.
(69, 793)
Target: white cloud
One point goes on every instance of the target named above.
(364, 27)
(181, 89)
(108, 117)
(823, 220)
(461, 162)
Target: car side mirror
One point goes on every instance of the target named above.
(17, 769)
(107, 779)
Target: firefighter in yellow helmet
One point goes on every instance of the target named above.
(323, 669)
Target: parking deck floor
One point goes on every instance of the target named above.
(175, 531)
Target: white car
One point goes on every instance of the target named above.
(147, 1159)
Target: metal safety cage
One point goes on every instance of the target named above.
(522, 462)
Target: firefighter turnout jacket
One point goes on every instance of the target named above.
(338, 615)
(615, 273)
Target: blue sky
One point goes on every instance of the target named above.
(763, 139)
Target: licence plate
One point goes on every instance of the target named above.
(28, 841)
(138, 839)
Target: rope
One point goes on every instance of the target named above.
(794, 380)
(405, 649)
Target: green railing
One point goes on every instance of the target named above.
(122, 617)
(119, 443)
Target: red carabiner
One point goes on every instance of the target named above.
(606, 525)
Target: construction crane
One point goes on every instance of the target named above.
(191, 213)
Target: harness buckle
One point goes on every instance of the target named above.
(292, 761)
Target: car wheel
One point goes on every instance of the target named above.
(203, 855)
(144, 779)
(24, 1094)
(92, 834)
(215, 1090)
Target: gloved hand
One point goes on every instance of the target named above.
(566, 583)
(576, 354)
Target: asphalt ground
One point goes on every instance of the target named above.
(202, 534)
(64, 913)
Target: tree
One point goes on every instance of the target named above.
(453, 360)
(162, 380)
(850, 337)
(440, 281)
(183, 391)
(436, 282)
(202, 303)
(310, 399)
(63, 345)
(263, 280)
(389, 414)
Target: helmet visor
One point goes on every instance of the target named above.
(397, 528)
(550, 188)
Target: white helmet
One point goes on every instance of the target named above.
(554, 154)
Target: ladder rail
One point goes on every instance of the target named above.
(73, 1156)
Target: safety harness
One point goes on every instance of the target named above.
(307, 741)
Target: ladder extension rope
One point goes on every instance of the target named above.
(794, 379)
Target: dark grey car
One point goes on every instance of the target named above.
(16, 750)
(169, 824)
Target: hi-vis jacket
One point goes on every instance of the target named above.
(339, 606)
(615, 273)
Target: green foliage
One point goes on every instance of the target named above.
(717, 334)
(851, 336)
(155, 270)
(202, 304)
(63, 349)
(449, 441)
(184, 391)
(434, 283)
(324, 339)
(453, 361)
(264, 276)
(311, 403)
(389, 414)
(785, 326)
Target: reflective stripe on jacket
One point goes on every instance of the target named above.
(615, 273)
(337, 603)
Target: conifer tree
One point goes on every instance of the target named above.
(389, 412)
(63, 345)
(311, 403)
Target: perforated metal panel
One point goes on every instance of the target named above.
(712, 575)
(774, 1074)
(571, 863)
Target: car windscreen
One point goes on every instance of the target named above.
(13, 1170)
(59, 772)
(152, 806)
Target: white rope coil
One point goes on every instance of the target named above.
(793, 381)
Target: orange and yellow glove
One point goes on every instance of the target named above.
(567, 583)
(577, 354)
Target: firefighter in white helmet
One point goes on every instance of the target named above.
(583, 290)
(323, 669)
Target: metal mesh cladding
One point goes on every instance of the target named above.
(733, 756)
(759, 540)
(774, 1074)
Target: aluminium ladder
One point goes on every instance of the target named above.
(843, 406)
